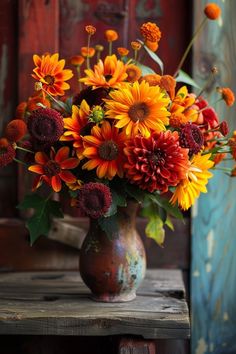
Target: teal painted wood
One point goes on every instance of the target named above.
(213, 269)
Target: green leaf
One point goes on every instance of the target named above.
(155, 58)
(169, 223)
(109, 225)
(155, 230)
(165, 204)
(135, 193)
(145, 69)
(44, 209)
(118, 199)
(186, 79)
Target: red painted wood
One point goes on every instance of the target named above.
(136, 346)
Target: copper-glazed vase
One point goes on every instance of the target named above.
(113, 266)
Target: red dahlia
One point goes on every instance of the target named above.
(191, 138)
(46, 125)
(94, 199)
(157, 162)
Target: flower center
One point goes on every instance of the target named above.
(108, 150)
(138, 111)
(51, 168)
(197, 136)
(158, 158)
(49, 79)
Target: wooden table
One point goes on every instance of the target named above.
(58, 303)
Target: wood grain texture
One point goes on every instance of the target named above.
(213, 242)
(59, 304)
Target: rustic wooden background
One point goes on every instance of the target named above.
(37, 26)
(213, 218)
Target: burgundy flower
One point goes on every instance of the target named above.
(224, 128)
(157, 162)
(94, 199)
(191, 137)
(208, 117)
(45, 125)
(92, 97)
(7, 152)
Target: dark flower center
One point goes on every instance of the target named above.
(108, 150)
(197, 136)
(108, 77)
(49, 79)
(94, 201)
(86, 130)
(51, 168)
(138, 111)
(158, 158)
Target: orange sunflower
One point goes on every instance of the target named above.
(54, 169)
(74, 126)
(51, 73)
(104, 149)
(110, 73)
(139, 108)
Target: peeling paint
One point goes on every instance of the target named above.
(210, 243)
(201, 347)
(3, 77)
(194, 209)
(208, 267)
(196, 273)
(225, 316)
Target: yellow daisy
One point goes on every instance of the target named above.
(196, 180)
(139, 108)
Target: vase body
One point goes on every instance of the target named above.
(113, 266)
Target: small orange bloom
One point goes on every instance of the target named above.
(54, 169)
(77, 60)
(33, 102)
(51, 73)
(133, 72)
(227, 95)
(15, 130)
(168, 83)
(90, 30)
(135, 45)
(74, 126)
(152, 79)
(104, 149)
(212, 11)
(87, 52)
(153, 46)
(111, 35)
(123, 51)
(21, 110)
(150, 32)
(177, 119)
(218, 158)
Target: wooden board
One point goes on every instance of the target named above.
(213, 240)
(58, 304)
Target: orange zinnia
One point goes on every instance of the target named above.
(227, 95)
(150, 32)
(54, 169)
(104, 149)
(212, 11)
(110, 73)
(51, 73)
(74, 126)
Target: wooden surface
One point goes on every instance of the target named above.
(213, 234)
(58, 304)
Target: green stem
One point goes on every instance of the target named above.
(202, 24)
(110, 48)
(87, 58)
(54, 99)
(79, 76)
(23, 149)
(135, 55)
(20, 162)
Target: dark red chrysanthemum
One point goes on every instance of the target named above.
(7, 152)
(94, 199)
(92, 97)
(45, 125)
(15, 130)
(157, 162)
(191, 137)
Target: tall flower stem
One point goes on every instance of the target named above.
(110, 48)
(20, 162)
(79, 76)
(202, 24)
(87, 58)
(23, 149)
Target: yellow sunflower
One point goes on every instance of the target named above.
(110, 73)
(139, 108)
(196, 180)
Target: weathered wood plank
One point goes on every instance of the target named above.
(213, 242)
(59, 304)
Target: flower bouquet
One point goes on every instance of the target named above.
(128, 134)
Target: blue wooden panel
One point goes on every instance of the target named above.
(213, 269)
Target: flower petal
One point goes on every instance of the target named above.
(56, 183)
(67, 177)
(41, 158)
(69, 163)
(62, 154)
(37, 169)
